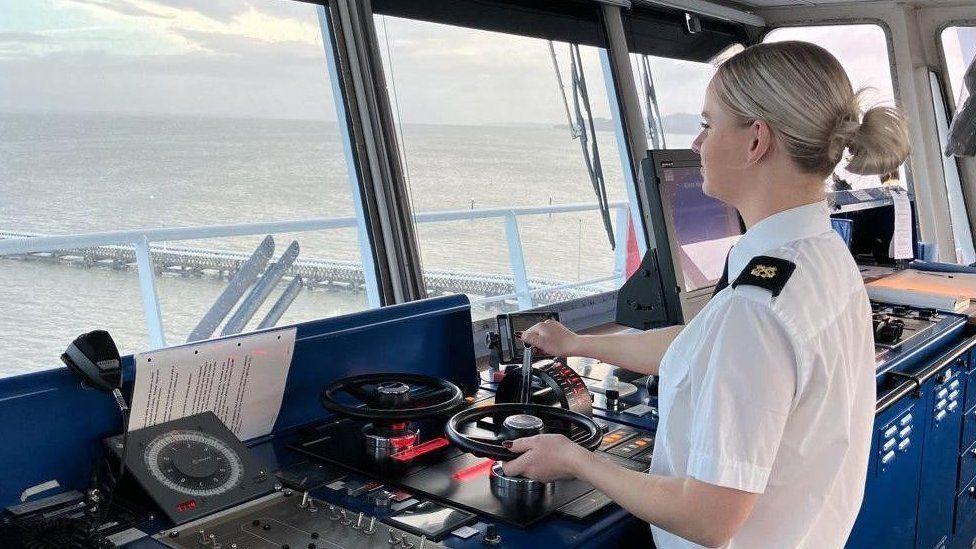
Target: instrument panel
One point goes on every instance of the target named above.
(554, 383)
(192, 466)
(287, 519)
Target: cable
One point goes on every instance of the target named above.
(124, 410)
(396, 104)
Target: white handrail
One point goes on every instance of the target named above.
(141, 239)
(16, 246)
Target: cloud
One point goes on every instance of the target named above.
(181, 85)
(254, 64)
(121, 7)
(266, 59)
(24, 37)
(220, 10)
(226, 10)
(235, 44)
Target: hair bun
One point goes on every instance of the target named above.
(880, 144)
(842, 134)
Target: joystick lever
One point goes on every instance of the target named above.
(526, 374)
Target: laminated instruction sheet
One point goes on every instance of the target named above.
(240, 379)
(901, 240)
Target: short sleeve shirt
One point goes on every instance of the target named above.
(775, 395)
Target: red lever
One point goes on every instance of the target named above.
(421, 449)
(475, 470)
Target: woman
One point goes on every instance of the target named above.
(767, 396)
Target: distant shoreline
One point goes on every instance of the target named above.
(683, 123)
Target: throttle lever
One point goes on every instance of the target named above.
(526, 373)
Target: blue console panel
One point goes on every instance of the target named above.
(888, 514)
(913, 475)
(919, 493)
(55, 428)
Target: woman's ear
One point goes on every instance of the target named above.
(761, 141)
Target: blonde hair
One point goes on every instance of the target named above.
(803, 93)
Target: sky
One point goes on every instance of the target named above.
(203, 57)
(265, 58)
(862, 49)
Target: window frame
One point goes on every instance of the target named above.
(583, 312)
(948, 99)
(384, 245)
(142, 238)
(661, 18)
(944, 63)
(599, 309)
(892, 69)
(951, 172)
(883, 25)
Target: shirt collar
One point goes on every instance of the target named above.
(778, 230)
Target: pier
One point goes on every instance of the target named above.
(316, 273)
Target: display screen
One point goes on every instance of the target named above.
(522, 322)
(430, 519)
(704, 228)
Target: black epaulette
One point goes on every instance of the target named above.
(770, 273)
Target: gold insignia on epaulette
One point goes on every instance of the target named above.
(764, 271)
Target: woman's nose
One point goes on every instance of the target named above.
(696, 144)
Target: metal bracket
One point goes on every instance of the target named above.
(37, 489)
(917, 392)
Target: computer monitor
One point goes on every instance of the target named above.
(701, 229)
(693, 232)
(871, 226)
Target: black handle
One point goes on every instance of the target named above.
(907, 387)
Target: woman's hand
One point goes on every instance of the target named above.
(552, 338)
(546, 458)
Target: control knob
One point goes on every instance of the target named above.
(492, 537)
(888, 330)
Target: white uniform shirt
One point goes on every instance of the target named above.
(776, 395)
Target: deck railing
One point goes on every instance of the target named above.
(141, 239)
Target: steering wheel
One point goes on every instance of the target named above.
(520, 420)
(392, 396)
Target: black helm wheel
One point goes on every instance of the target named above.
(491, 447)
(392, 396)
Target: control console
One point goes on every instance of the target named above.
(287, 519)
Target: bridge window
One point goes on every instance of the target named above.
(182, 126)
(959, 49)
(863, 52)
(496, 154)
(672, 68)
(671, 93)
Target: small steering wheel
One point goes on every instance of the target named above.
(392, 396)
(520, 420)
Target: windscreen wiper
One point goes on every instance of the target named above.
(581, 106)
(581, 127)
(655, 124)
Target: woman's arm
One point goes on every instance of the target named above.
(703, 513)
(639, 353)
(706, 514)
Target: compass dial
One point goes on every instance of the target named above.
(193, 463)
